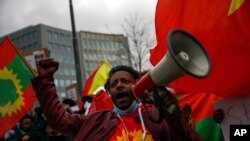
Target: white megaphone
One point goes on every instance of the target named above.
(185, 56)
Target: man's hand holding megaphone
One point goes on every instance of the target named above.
(161, 97)
(166, 102)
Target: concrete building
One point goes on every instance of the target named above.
(96, 47)
(93, 47)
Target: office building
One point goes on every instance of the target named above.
(96, 47)
(93, 47)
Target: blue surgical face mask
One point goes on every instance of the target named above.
(132, 108)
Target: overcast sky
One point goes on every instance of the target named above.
(104, 16)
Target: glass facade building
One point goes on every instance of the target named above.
(93, 47)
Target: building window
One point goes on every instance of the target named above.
(68, 82)
(62, 37)
(29, 36)
(34, 34)
(69, 48)
(24, 37)
(72, 72)
(49, 34)
(66, 71)
(62, 94)
(61, 83)
(56, 46)
(50, 45)
(55, 35)
(68, 37)
(34, 45)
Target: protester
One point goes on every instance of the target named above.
(86, 100)
(28, 130)
(32, 136)
(54, 135)
(129, 120)
(218, 116)
(27, 124)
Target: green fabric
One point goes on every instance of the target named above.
(23, 73)
(8, 92)
(209, 130)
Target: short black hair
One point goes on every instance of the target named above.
(27, 116)
(117, 68)
(86, 98)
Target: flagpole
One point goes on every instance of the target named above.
(75, 48)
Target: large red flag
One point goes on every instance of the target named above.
(16, 92)
(222, 26)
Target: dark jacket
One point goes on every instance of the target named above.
(101, 125)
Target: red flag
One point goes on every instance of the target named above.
(16, 92)
(222, 26)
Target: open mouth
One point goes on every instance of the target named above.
(122, 97)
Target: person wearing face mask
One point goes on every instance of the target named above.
(129, 120)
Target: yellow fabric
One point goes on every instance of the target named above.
(100, 77)
(235, 4)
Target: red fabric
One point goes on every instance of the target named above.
(88, 83)
(101, 101)
(87, 86)
(8, 52)
(7, 121)
(201, 104)
(225, 38)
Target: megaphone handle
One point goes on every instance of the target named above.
(158, 104)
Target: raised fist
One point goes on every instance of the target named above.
(47, 67)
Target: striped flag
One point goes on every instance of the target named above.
(16, 92)
(96, 80)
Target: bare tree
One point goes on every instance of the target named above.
(141, 39)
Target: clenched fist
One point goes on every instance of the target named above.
(47, 67)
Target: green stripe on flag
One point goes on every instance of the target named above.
(22, 71)
(209, 130)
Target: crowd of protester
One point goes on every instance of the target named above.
(34, 127)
